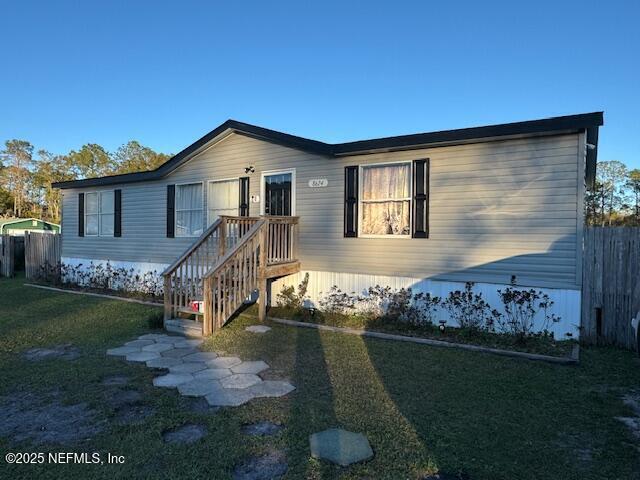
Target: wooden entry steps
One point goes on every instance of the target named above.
(232, 259)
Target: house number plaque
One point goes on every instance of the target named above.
(318, 182)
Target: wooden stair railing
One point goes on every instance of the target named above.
(183, 279)
(235, 277)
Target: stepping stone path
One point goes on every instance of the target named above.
(258, 329)
(219, 380)
(340, 446)
(266, 467)
(185, 434)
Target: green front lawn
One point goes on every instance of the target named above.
(423, 409)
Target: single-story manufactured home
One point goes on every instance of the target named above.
(245, 208)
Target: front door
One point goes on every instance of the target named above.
(278, 194)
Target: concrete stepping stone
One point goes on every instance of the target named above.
(158, 347)
(191, 367)
(213, 373)
(163, 362)
(240, 380)
(200, 357)
(271, 388)
(340, 446)
(170, 339)
(261, 429)
(258, 329)
(122, 351)
(152, 336)
(141, 356)
(250, 367)
(185, 434)
(171, 380)
(229, 397)
(200, 387)
(178, 352)
(270, 466)
(185, 343)
(139, 343)
(224, 362)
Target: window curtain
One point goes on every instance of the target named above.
(222, 199)
(386, 205)
(189, 210)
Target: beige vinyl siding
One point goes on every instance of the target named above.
(496, 209)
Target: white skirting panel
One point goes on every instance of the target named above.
(566, 302)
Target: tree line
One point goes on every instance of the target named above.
(615, 198)
(26, 176)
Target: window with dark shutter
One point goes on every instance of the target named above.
(420, 227)
(351, 201)
(117, 213)
(81, 214)
(244, 196)
(171, 210)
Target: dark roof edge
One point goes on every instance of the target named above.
(570, 123)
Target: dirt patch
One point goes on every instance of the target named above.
(119, 397)
(632, 400)
(261, 429)
(447, 476)
(198, 405)
(185, 434)
(130, 414)
(115, 380)
(42, 419)
(265, 467)
(579, 447)
(65, 352)
(128, 406)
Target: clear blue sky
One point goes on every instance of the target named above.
(166, 73)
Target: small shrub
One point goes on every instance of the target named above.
(290, 298)
(521, 309)
(156, 319)
(103, 277)
(426, 305)
(470, 310)
(336, 301)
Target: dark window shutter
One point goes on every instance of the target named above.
(244, 196)
(117, 213)
(81, 214)
(420, 227)
(351, 201)
(171, 210)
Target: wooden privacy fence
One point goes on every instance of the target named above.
(610, 285)
(41, 255)
(7, 247)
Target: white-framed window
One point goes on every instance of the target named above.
(99, 214)
(223, 198)
(385, 200)
(189, 206)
